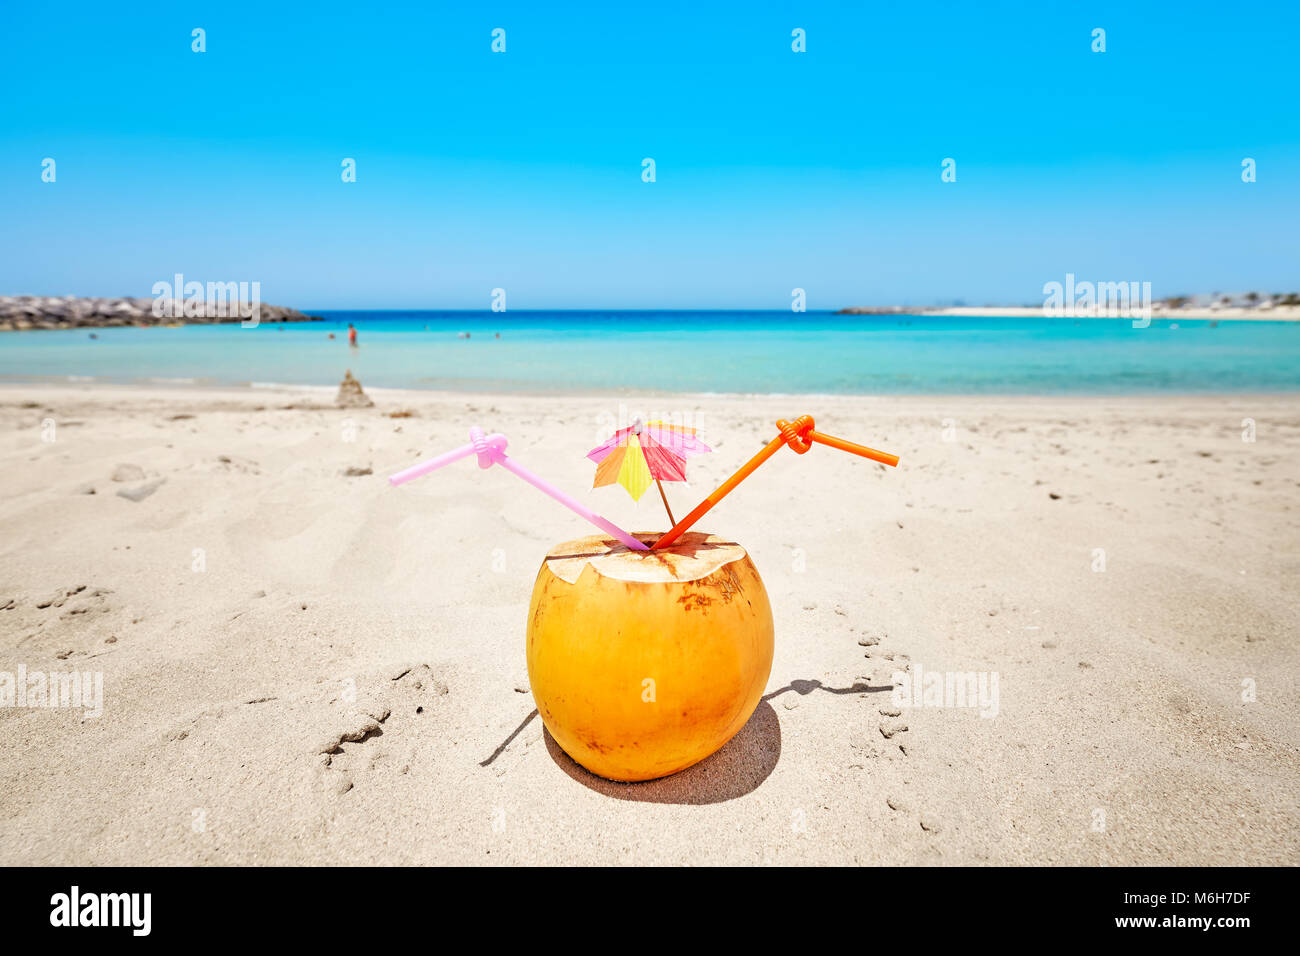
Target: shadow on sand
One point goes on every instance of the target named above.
(805, 687)
(743, 763)
(738, 768)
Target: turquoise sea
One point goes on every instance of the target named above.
(710, 351)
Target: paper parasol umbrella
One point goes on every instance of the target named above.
(645, 452)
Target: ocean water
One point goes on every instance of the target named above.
(746, 352)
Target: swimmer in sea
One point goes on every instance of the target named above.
(352, 335)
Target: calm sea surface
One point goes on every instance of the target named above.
(683, 351)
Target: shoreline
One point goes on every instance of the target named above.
(251, 392)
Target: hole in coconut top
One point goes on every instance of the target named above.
(693, 556)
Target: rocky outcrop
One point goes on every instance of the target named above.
(21, 312)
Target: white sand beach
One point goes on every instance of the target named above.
(301, 664)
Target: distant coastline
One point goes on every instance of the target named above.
(20, 313)
(1280, 313)
(30, 312)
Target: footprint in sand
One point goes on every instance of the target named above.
(60, 597)
(68, 622)
(889, 739)
(383, 733)
(234, 463)
(314, 742)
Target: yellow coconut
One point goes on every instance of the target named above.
(643, 663)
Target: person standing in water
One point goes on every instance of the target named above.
(352, 335)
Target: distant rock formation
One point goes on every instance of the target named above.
(350, 394)
(21, 312)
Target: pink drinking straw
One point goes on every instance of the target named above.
(491, 450)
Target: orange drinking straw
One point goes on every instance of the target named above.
(799, 436)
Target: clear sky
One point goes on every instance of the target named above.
(523, 170)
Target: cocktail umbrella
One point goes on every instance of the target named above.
(645, 452)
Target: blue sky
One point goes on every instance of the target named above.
(522, 170)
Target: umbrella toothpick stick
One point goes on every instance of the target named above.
(800, 436)
(665, 498)
(491, 450)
